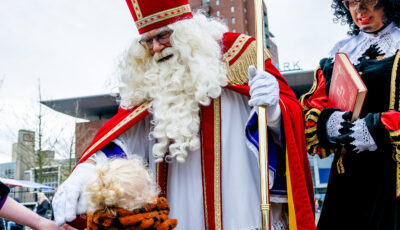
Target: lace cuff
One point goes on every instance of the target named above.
(362, 137)
(316, 134)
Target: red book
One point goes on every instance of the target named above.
(347, 91)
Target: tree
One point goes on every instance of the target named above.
(50, 136)
(62, 142)
(53, 136)
(69, 148)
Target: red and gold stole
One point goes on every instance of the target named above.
(211, 166)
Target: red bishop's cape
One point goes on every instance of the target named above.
(239, 52)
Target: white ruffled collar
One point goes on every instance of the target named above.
(387, 40)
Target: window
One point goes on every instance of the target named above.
(232, 9)
(234, 30)
(205, 3)
(233, 20)
(218, 13)
(245, 10)
(217, 2)
(247, 32)
(245, 21)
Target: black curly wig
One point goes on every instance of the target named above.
(391, 8)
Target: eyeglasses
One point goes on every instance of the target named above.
(353, 4)
(162, 37)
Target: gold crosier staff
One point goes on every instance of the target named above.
(262, 124)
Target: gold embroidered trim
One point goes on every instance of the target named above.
(396, 157)
(393, 81)
(393, 91)
(137, 10)
(311, 130)
(312, 139)
(163, 15)
(312, 90)
(141, 108)
(312, 117)
(398, 180)
(217, 164)
(395, 133)
(236, 47)
(339, 164)
(238, 71)
(314, 110)
(313, 143)
(203, 171)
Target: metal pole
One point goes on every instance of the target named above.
(262, 124)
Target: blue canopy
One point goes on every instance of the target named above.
(25, 184)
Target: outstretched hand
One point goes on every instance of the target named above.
(68, 201)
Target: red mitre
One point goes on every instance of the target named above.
(149, 15)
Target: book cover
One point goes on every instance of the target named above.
(347, 91)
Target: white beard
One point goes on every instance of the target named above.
(176, 87)
(176, 98)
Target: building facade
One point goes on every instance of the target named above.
(24, 167)
(23, 153)
(239, 16)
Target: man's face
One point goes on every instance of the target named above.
(156, 40)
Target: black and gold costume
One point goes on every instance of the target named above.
(362, 186)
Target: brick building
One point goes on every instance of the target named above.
(239, 16)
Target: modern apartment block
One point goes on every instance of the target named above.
(239, 16)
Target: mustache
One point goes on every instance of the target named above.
(164, 55)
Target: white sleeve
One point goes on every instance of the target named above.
(274, 124)
(99, 157)
(134, 141)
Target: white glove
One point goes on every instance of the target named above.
(264, 90)
(68, 200)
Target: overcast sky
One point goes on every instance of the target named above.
(73, 47)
